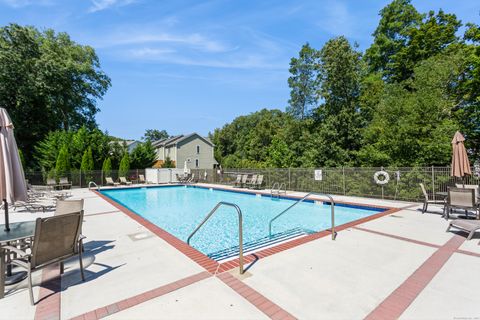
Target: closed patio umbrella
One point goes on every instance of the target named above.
(460, 163)
(12, 179)
(185, 168)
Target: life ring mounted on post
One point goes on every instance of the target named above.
(381, 177)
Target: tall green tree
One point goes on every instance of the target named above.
(404, 37)
(155, 134)
(339, 122)
(62, 166)
(143, 155)
(107, 167)
(303, 82)
(47, 82)
(414, 122)
(124, 165)
(87, 160)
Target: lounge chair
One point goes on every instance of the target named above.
(238, 182)
(252, 182)
(470, 226)
(124, 180)
(141, 179)
(52, 183)
(244, 180)
(460, 198)
(55, 240)
(64, 183)
(427, 200)
(190, 179)
(259, 182)
(110, 182)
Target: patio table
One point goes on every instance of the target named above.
(18, 231)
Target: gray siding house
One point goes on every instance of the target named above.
(196, 150)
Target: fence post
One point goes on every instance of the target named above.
(344, 186)
(289, 187)
(80, 178)
(433, 182)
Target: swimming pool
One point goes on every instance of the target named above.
(179, 209)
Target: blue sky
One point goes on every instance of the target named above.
(188, 66)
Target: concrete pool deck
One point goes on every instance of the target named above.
(400, 265)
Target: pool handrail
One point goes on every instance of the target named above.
(240, 229)
(279, 189)
(332, 209)
(90, 185)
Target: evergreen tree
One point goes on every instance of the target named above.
(168, 163)
(62, 165)
(303, 82)
(124, 165)
(107, 167)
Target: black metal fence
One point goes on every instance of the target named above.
(402, 185)
(81, 179)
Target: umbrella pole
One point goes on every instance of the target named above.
(5, 207)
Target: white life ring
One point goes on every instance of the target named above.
(384, 174)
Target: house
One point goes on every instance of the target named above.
(196, 150)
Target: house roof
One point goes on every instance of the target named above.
(168, 142)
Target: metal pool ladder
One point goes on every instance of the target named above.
(281, 188)
(332, 208)
(240, 229)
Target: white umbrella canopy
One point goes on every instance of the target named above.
(12, 179)
(185, 168)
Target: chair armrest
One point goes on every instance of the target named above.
(21, 253)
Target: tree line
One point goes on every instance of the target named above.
(50, 86)
(398, 103)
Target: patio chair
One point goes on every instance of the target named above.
(141, 179)
(238, 182)
(190, 179)
(470, 226)
(55, 240)
(469, 186)
(124, 180)
(427, 200)
(460, 198)
(70, 206)
(110, 182)
(64, 183)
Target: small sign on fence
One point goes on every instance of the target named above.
(318, 175)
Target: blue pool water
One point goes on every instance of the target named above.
(179, 209)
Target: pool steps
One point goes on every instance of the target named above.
(261, 243)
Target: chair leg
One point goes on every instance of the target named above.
(62, 268)
(80, 261)
(30, 289)
(423, 208)
(449, 226)
(470, 235)
(426, 207)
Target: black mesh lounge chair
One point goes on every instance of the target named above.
(55, 240)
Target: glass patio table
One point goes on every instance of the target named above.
(18, 231)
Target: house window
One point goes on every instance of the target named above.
(198, 149)
(196, 163)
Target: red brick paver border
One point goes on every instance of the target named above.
(142, 297)
(272, 310)
(400, 299)
(48, 302)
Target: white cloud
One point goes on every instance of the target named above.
(24, 3)
(99, 5)
(194, 40)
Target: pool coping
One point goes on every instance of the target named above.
(213, 266)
